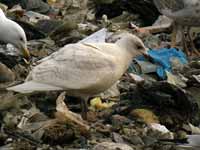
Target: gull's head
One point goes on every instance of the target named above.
(17, 37)
(2, 15)
(133, 45)
(14, 34)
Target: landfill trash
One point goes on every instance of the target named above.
(142, 110)
(6, 75)
(10, 50)
(37, 6)
(162, 58)
(65, 115)
(97, 37)
(193, 142)
(113, 92)
(34, 17)
(97, 104)
(111, 146)
(3, 7)
(197, 78)
(142, 67)
(159, 127)
(87, 28)
(146, 115)
(175, 80)
(136, 78)
(194, 129)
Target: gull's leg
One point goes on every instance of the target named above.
(184, 42)
(84, 107)
(192, 43)
(173, 36)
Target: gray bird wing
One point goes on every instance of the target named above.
(76, 66)
(173, 5)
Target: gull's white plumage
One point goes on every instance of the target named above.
(83, 69)
(11, 32)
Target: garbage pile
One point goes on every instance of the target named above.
(154, 105)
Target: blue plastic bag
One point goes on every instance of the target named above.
(161, 58)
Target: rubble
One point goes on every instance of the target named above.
(155, 105)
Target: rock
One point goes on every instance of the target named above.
(6, 75)
(136, 140)
(118, 120)
(111, 146)
(149, 140)
(117, 138)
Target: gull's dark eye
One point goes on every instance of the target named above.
(139, 47)
(21, 39)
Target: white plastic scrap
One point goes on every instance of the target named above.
(159, 127)
(97, 37)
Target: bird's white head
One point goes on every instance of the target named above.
(2, 15)
(132, 44)
(13, 33)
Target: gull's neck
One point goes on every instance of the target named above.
(126, 55)
(2, 15)
(123, 43)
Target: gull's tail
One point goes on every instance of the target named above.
(31, 86)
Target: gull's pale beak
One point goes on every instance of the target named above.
(145, 53)
(26, 53)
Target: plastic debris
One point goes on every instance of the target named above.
(159, 127)
(162, 58)
(97, 37)
(175, 80)
(97, 104)
(65, 115)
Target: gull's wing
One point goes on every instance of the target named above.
(76, 66)
(172, 5)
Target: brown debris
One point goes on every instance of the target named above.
(63, 114)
